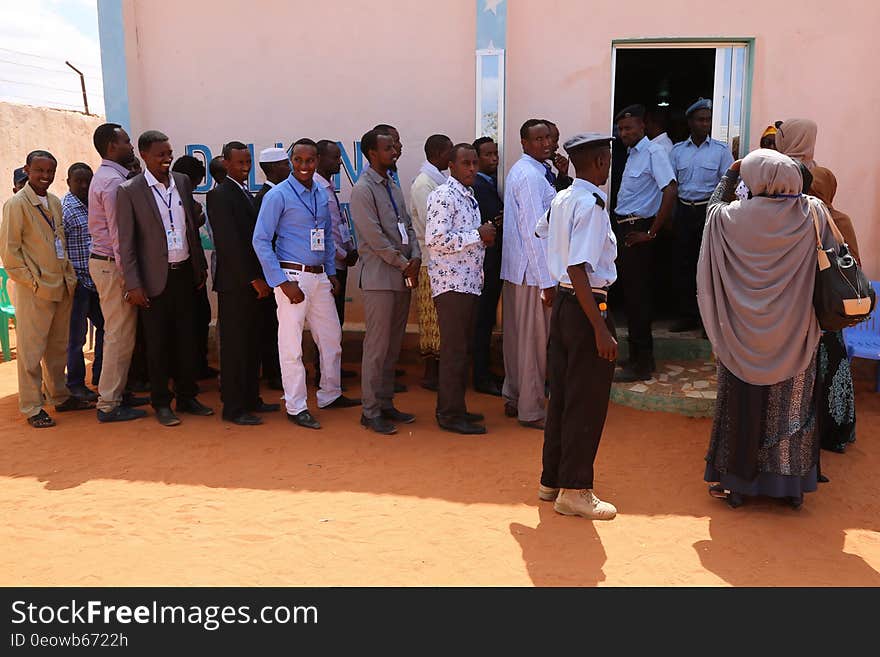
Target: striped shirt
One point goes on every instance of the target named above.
(75, 218)
(527, 195)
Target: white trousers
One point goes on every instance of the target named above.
(319, 310)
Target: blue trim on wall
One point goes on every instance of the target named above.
(111, 31)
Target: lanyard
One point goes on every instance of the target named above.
(391, 197)
(49, 221)
(167, 204)
(312, 211)
(338, 206)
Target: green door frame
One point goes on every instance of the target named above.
(646, 42)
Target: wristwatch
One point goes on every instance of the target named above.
(650, 234)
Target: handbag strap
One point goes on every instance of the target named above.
(835, 231)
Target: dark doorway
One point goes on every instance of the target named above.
(665, 81)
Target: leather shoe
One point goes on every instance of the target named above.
(343, 402)
(166, 417)
(193, 407)
(461, 425)
(379, 425)
(245, 420)
(121, 414)
(398, 416)
(534, 424)
(304, 419)
(83, 393)
(474, 417)
(74, 404)
(132, 401)
(510, 410)
(631, 374)
(263, 407)
(488, 388)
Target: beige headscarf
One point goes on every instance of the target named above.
(797, 138)
(756, 274)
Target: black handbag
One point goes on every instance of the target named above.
(843, 295)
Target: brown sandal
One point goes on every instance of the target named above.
(41, 420)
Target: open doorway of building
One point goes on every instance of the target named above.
(666, 79)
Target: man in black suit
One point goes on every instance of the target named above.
(276, 167)
(162, 263)
(491, 209)
(239, 285)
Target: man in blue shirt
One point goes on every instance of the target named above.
(302, 270)
(644, 203)
(699, 164)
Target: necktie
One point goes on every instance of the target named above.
(549, 175)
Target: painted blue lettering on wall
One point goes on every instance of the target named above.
(205, 152)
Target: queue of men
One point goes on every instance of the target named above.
(124, 245)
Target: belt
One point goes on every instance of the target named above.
(630, 218)
(693, 203)
(295, 266)
(95, 256)
(178, 265)
(597, 291)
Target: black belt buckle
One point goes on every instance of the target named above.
(178, 265)
(96, 256)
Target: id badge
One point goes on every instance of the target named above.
(175, 240)
(59, 248)
(344, 233)
(317, 236)
(404, 236)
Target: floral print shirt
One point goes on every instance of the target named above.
(453, 239)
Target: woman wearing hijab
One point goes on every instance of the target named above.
(755, 285)
(837, 412)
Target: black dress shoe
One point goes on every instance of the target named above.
(245, 420)
(400, 387)
(166, 417)
(83, 393)
(121, 414)
(263, 407)
(488, 387)
(379, 425)
(193, 407)
(474, 417)
(462, 426)
(348, 374)
(343, 402)
(131, 401)
(631, 374)
(74, 404)
(510, 410)
(275, 384)
(304, 419)
(394, 415)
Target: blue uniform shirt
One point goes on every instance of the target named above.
(291, 211)
(699, 168)
(647, 172)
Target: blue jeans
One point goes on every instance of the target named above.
(85, 307)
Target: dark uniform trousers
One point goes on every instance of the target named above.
(580, 387)
(170, 338)
(240, 318)
(342, 277)
(689, 223)
(268, 340)
(636, 265)
(455, 318)
(487, 311)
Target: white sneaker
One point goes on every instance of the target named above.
(584, 503)
(547, 494)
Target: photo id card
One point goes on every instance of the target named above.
(59, 248)
(175, 239)
(317, 236)
(404, 236)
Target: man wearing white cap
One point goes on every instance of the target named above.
(581, 248)
(275, 165)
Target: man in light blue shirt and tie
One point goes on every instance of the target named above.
(644, 203)
(699, 164)
(302, 270)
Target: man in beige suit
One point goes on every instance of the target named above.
(391, 260)
(35, 256)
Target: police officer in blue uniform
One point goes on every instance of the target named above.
(699, 164)
(645, 202)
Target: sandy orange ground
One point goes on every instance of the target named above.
(208, 503)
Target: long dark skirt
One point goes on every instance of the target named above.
(765, 438)
(837, 401)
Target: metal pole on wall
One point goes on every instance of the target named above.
(82, 81)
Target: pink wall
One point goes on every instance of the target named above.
(329, 69)
(813, 59)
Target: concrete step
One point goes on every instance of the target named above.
(686, 387)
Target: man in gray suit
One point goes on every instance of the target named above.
(390, 262)
(162, 264)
